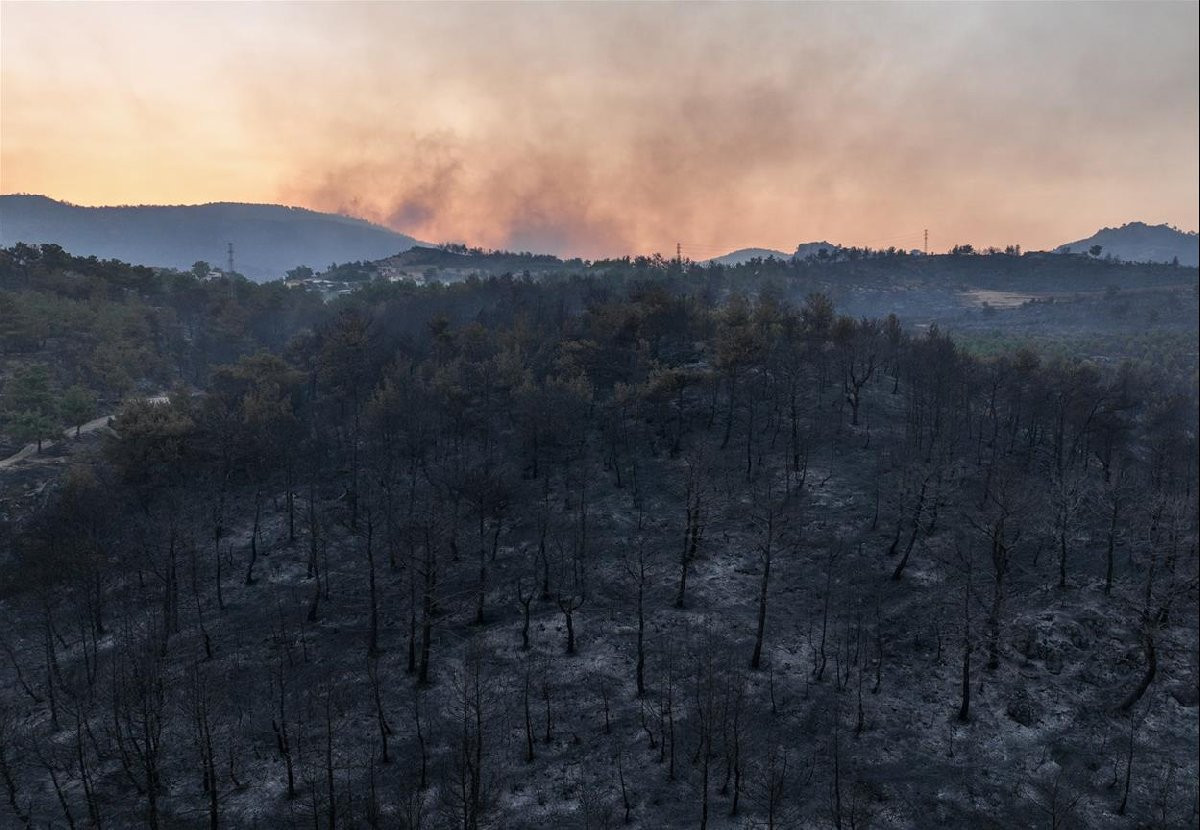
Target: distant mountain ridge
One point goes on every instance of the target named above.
(804, 250)
(1139, 242)
(746, 254)
(268, 240)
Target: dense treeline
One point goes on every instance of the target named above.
(115, 327)
(585, 552)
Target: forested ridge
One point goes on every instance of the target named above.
(269, 239)
(657, 546)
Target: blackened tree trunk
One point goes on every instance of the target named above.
(964, 709)
(756, 656)
(916, 527)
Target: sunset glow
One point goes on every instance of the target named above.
(618, 128)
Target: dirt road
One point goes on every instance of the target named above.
(30, 451)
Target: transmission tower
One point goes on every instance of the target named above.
(229, 261)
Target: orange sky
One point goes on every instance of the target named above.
(616, 128)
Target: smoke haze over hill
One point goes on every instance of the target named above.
(586, 513)
(1139, 242)
(606, 129)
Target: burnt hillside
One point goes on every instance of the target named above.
(575, 553)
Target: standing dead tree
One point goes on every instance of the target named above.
(996, 524)
(694, 524)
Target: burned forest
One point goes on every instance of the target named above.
(663, 546)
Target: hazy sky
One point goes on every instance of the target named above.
(611, 128)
